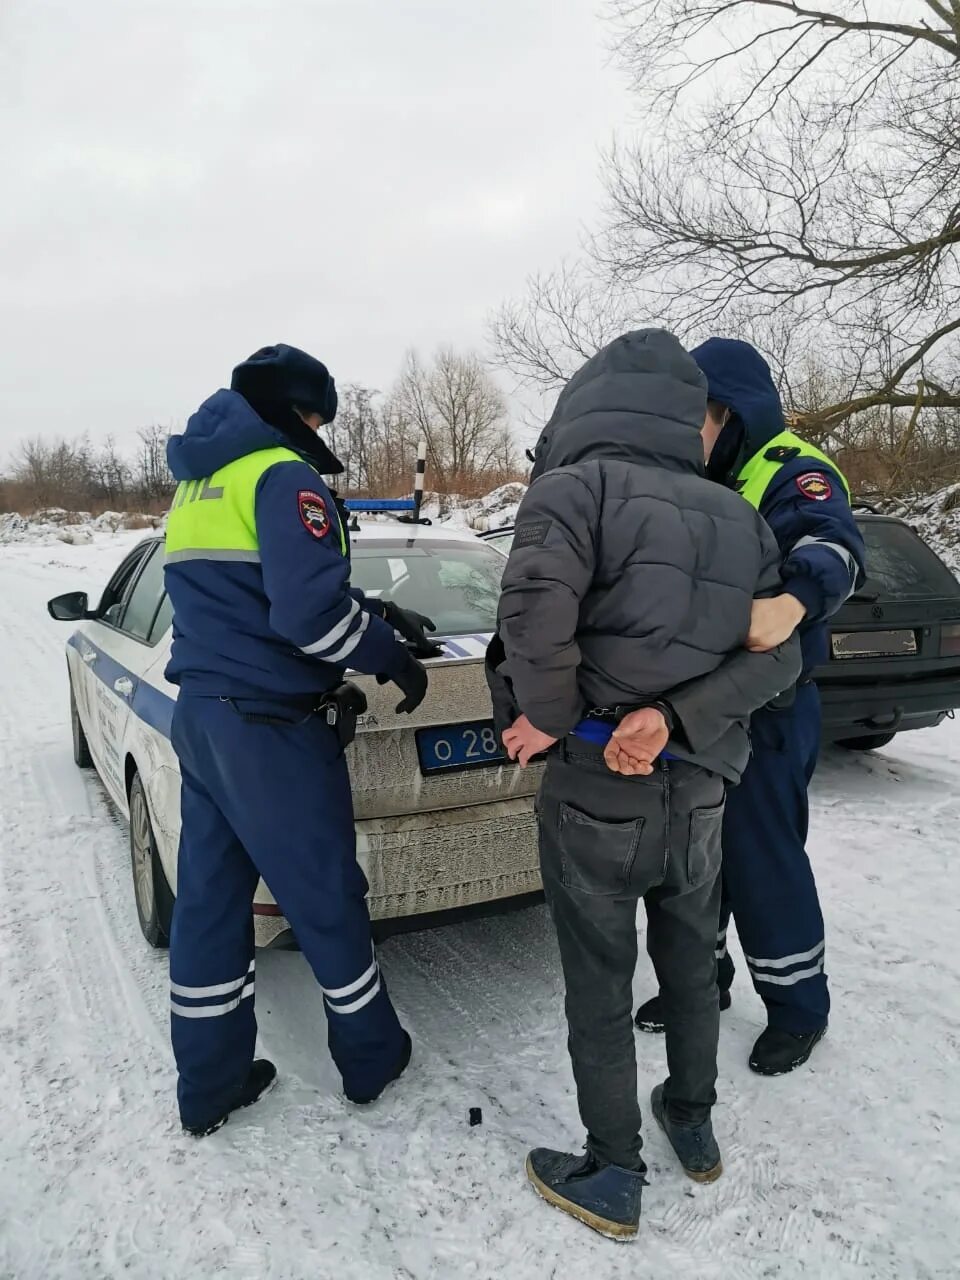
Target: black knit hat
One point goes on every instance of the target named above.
(275, 381)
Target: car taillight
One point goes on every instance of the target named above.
(950, 641)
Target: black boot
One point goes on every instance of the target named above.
(650, 1014)
(777, 1052)
(694, 1144)
(362, 1100)
(262, 1076)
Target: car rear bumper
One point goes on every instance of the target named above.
(886, 707)
(443, 861)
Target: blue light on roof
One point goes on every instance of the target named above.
(380, 504)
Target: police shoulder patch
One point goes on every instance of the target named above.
(815, 485)
(313, 513)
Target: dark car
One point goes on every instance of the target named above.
(895, 645)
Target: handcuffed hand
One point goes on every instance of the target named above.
(524, 741)
(636, 742)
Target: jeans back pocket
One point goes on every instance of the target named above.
(705, 845)
(597, 857)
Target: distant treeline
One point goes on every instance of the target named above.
(456, 408)
(79, 476)
(452, 404)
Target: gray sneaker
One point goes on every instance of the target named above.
(694, 1144)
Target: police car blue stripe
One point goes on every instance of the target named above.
(149, 704)
(152, 705)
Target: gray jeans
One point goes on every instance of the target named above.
(605, 842)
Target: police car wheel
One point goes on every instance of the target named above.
(151, 890)
(867, 742)
(81, 751)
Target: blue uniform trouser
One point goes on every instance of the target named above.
(270, 800)
(768, 882)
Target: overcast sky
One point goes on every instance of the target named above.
(186, 180)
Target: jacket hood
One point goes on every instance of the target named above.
(640, 399)
(739, 377)
(226, 428)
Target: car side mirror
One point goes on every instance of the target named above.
(70, 607)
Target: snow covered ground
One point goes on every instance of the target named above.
(847, 1169)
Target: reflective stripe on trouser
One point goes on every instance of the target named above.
(768, 882)
(270, 800)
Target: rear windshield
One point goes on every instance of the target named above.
(902, 566)
(501, 542)
(458, 587)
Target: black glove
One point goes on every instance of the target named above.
(411, 680)
(413, 627)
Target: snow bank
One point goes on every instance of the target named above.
(77, 528)
(936, 517)
(45, 528)
(496, 509)
(491, 512)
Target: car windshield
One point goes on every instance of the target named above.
(457, 586)
(901, 566)
(501, 542)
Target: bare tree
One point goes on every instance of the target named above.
(565, 318)
(110, 473)
(152, 478)
(55, 472)
(457, 408)
(32, 470)
(355, 435)
(393, 457)
(798, 169)
(77, 476)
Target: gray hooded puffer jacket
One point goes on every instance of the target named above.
(632, 576)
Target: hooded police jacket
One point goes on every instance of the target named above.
(632, 576)
(258, 567)
(800, 493)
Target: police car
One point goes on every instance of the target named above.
(443, 822)
(894, 646)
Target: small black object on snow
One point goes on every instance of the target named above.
(476, 1116)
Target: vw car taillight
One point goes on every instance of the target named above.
(950, 641)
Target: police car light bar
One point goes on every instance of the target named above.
(380, 504)
(398, 504)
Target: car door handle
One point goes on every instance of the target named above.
(89, 656)
(123, 686)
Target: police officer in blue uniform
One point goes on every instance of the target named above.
(265, 624)
(768, 882)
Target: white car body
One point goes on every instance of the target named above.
(427, 841)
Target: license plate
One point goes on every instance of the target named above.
(459, 746)
(873, 644)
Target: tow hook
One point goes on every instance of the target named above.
(887, 725)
